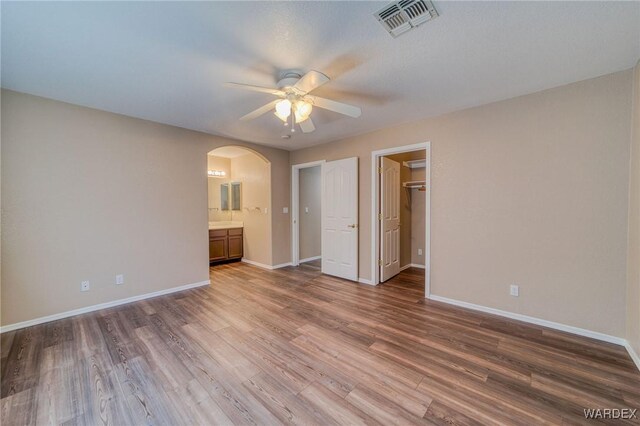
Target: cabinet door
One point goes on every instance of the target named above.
(217, 233)
(235, 246)
(217, 249)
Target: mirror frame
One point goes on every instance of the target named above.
(236, 196)
(224, 197)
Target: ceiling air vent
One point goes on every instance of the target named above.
(401, 16)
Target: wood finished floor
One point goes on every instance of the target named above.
(293, 346)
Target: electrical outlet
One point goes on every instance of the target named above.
(119, 279)
(85, 286)
(419, 252)
(306, 209)
(285, 210)
(514, 290)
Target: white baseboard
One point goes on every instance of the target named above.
(532, 320)
(259, 265)
(99, 306)
(411, 265)
(365, 281)
(262, 265)
(634, 356)
(309, 259)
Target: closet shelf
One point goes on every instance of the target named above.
(415, 164)
(415, 184)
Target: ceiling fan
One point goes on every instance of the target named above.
(295, 104)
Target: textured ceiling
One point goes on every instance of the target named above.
(167, 61)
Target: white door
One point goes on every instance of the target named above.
(340, 218)
(390, 218)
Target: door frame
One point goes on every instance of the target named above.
(295, 207)
(375, 206)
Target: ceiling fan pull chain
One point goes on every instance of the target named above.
(293, 127)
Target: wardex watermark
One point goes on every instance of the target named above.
(611, 413)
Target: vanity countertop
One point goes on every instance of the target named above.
(225, 224)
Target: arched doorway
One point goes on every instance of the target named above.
(239, 206)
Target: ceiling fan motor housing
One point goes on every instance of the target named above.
(289, 79)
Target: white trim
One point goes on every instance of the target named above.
(264, 266)
(295, 195)
(309, 259)
(411, 265)
(375, 234)
(258, 264)
(100, 306)
(365, 281)
(545, 323)
(309, 164)
(634, 356)
(533, 320)
(401, 149)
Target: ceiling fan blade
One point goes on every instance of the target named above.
(275, 92)
(310, 81)
(339, 107)
(262, 110)
(307, 126)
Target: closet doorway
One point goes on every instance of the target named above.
(306, 213)
(400, 207)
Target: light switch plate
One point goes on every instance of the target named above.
(285, 210)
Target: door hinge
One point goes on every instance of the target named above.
(380, 262)
(379, 216)
(379, 170)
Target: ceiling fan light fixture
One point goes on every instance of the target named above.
(302, 111)
(294, 103)
(283, 109)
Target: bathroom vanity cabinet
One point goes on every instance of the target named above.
(225, 244)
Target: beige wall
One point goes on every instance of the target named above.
(88, 194)
(418, 203)
(531, 190)
(252, 171)
(280, 221)
(213, 185)
(309, 197)
(633, 260)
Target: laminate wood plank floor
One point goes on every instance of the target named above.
(294, 346)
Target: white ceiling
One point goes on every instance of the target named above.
(167, 61)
